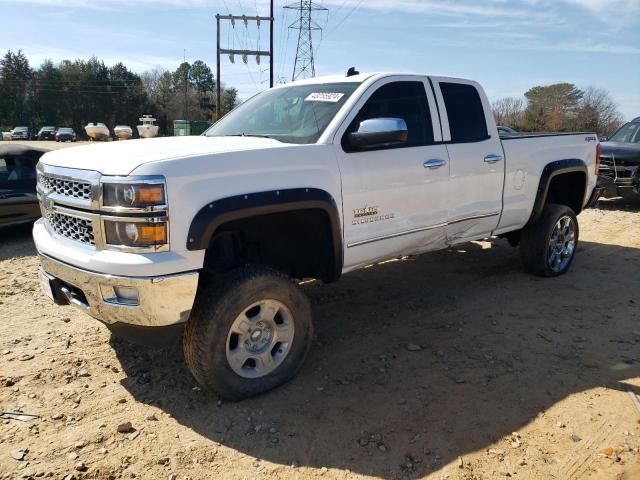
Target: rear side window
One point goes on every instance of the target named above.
(464, 109)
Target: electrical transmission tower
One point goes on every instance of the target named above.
(304, 67)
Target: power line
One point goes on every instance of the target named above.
(244, 52)
(304, 64)
(355, 7)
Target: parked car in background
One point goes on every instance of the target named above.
(65, 135)
(18, 199)
(620, 162)
(47, 133)
(5, 135)
(506, 131)
(21, 133)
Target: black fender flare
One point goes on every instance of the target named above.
(551, 170)
(218, 212)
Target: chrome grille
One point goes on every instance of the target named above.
(74, 228)
(67, 188)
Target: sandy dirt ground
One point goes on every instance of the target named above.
(452, 365)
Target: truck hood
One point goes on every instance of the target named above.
(625, 153)
(121, 158)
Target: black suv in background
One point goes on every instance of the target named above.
(65, 135)
(620, 162)
(47, 133)
(18, 198)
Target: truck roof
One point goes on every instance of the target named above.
(359, 78)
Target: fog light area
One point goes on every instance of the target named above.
(120, 295)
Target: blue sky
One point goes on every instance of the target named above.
(509, 46)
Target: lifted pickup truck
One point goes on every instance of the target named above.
(309, 180)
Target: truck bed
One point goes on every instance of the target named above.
(525, 158)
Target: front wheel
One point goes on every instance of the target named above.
(249, 332)
(548, 246)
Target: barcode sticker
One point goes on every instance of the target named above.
(324, 97)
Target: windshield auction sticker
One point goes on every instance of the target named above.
(324, 97)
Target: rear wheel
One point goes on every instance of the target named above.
(548, 246)
(249, 332)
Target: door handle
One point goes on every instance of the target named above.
(434, 163)
(492, 158)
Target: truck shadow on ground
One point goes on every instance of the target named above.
(621, 204)
(497, 348)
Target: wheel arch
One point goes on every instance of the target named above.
(214, 215)
(574, 172)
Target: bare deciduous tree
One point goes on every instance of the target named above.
(509, 112)
(558, 108)
(597, 112)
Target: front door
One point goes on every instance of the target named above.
(394, 198)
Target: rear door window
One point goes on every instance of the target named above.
(467, 122)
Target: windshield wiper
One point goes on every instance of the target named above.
(257, 135)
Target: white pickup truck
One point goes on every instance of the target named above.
(313, 179)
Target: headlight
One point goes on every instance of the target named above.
(133, 195)
(136, 234)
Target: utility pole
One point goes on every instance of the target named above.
(304, 66)
(186, 79)
(244, 54)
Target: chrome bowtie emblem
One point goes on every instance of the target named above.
(47, 205)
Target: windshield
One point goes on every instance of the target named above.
(629, 133)
(297, 114)
(21, 129)
(65, 130)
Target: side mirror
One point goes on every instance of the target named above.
(604, 138)
(380, 132)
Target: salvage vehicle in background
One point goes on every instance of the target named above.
(65, 135)
(18, 199)
(47, 133)
(506, 131)
(21, 133)
(620, 162)
(313, 179)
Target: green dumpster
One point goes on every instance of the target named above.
(181, 128)
(198, 127)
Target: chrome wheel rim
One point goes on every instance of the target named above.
(260, 339)
(562, 244)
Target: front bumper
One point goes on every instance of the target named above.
(161, 300)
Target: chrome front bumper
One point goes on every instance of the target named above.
(161, 301)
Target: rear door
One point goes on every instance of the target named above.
(476, 158)
(394, 198)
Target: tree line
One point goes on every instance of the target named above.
(561, 107)
(73, 93)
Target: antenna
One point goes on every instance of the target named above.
(304, 65)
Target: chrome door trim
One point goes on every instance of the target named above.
(473, 217)
(394, 235)
(421, 229)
